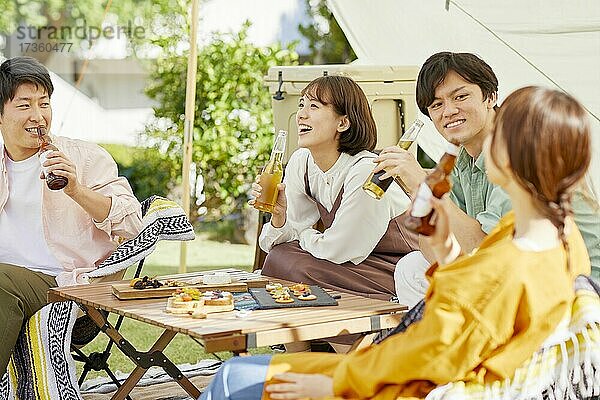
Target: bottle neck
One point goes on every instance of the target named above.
(411, 134)
(449, 158)
(43, 139)
(46, 146)
(275, 160)
(447, 162)
(276, 156)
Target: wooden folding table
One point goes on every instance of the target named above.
(228, 331)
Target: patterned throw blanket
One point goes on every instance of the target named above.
(41, 366)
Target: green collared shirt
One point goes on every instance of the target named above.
(587, 218)
(474, 194)
(487, 203)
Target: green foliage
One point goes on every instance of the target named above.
(74, 12)
(233, 128)
(121, 153)
(147, 14)
(148, 173)
(327, 41)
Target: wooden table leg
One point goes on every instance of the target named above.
(363, 341)
(139, 371)
(143, 360)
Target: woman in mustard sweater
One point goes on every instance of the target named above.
(486, 313)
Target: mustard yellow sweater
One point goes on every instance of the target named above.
(485, 314)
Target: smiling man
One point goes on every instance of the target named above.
(50, 237)
(458, 92)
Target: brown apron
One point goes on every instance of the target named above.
(374, 277)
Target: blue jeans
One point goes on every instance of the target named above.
(240, 378)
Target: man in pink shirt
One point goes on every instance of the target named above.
(50, 237)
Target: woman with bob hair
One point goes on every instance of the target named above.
(360, 240)
(486, 314)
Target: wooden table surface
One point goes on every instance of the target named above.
(229, 332)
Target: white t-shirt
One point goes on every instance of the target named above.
(22, 240)
(360, 221)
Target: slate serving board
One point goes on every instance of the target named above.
(265, 301)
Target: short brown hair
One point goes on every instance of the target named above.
(346, 98)
(17, 71)
(470, 67)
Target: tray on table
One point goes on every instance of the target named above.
(266, 301)
(240, 282)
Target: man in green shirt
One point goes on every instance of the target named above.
(458, 92)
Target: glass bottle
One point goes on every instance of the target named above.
(436, 184)
(376, 188)
(272, 175)
(54, 182)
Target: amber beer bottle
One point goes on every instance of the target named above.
(436, 184)
(54, 182)
(376, 188)
(271, 175)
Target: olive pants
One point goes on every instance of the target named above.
(22, 293)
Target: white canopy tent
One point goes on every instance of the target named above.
(77, 116)
(541, 42)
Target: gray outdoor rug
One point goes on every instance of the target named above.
(155, 384)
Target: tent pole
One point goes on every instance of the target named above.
(188, 129)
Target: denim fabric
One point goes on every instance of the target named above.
(240, 378)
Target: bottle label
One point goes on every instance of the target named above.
(452, 149)
(422, 204)
(43, 157)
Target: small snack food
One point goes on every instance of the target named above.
(217, 301)
(199, 314)
(144, 283)
(273, 286)
(280, 292)
(307, 297)
(192, 302)
(217, 298)
(175, 283)
(284, 298)
(300, 288)
(184, 301)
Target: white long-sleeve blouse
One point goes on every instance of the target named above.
(360, 221)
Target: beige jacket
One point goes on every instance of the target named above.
(77, 241)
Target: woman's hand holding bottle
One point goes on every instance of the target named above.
(443, 243)
(278, 217)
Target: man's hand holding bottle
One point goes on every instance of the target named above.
(57, 163)
(401, 163)
(395, 163)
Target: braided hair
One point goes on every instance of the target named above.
(548, 142)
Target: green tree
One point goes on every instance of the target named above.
(326, 40)
(146, 170)
(145, 14)
(233, 127)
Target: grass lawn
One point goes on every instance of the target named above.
(202, 254)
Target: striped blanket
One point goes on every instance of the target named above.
(41, 366)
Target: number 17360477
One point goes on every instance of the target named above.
(40, 47)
